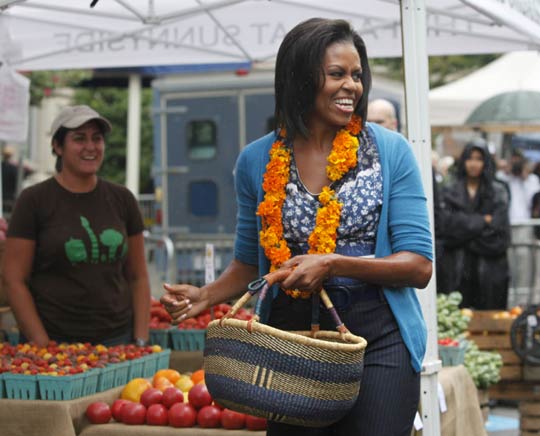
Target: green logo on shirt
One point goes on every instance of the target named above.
(109, 238)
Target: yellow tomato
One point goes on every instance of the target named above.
(184, 383)
(162, 383)
(170, 374)
(134, 389)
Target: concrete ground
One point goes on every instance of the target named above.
(503, 420)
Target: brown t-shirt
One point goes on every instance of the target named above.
(77, 279)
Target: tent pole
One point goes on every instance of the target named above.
(415, 58)
(133, 134)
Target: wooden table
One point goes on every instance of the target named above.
(66, 418)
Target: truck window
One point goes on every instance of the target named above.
(203, 198)
(201, 139)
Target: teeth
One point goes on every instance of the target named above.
(89, 158)
(345, 101)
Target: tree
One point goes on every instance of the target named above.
(42, 83)
(442, 69)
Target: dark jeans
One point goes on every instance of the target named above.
(390, 388)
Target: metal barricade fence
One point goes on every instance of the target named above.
(524, 263)
(180, 259)
(160, 260)
(190, 255)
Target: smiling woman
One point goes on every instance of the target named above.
(76, 270)
(337, 204)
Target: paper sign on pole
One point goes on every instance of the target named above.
(14, 104)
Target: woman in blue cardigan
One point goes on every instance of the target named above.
(341, 203)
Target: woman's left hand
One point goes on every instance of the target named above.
(309, 271)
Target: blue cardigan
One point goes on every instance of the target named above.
(403, 225)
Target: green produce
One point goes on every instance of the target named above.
(452, 322)
(483, 366)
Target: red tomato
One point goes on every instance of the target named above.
(151, 396)
(199, 396)
(157, 414)
(172, 396)
(116, 409)
(232, 420)
(133, 414)
(98, 412)
(209, 417)
(182, 415)
(255, 423)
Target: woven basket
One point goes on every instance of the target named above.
(307, 378)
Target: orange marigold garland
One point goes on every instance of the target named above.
(341, 159)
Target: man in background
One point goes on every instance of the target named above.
(382, 112)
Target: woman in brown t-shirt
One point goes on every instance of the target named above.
(75, 268)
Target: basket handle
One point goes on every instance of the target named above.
(262, 284)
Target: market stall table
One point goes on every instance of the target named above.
(463, 416)
(66, 418)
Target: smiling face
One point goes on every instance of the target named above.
(342, 88)
(82, 151)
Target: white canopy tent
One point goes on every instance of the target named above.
(40, 34)
(451, 104)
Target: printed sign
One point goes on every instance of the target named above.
(14, 104)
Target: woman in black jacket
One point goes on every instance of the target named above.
(475, 232)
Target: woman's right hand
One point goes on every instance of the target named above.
(184, 301)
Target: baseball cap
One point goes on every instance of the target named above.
(72, 117)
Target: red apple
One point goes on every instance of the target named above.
(199, 396)
(98, 412)
(232, 420)
(116, 409)
(182, 415)
(157, 414)
(172, 396)
(209, 417)
(151, 396)
(133, 414)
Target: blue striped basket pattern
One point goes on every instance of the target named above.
(283, 376)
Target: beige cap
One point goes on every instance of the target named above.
(72, 117)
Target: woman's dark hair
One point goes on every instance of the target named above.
(60, 137)
(488, 173)
(299, 72)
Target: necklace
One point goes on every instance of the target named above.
(342, 158)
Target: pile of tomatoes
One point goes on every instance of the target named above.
(160, 318)
(448, 342)
(170, 399)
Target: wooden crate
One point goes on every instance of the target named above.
(515, 391)
(493, 334)
(529, 417)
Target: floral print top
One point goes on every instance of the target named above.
(360, 192)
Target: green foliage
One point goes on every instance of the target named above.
(112, 103)
(442, 69)
(42, 83)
